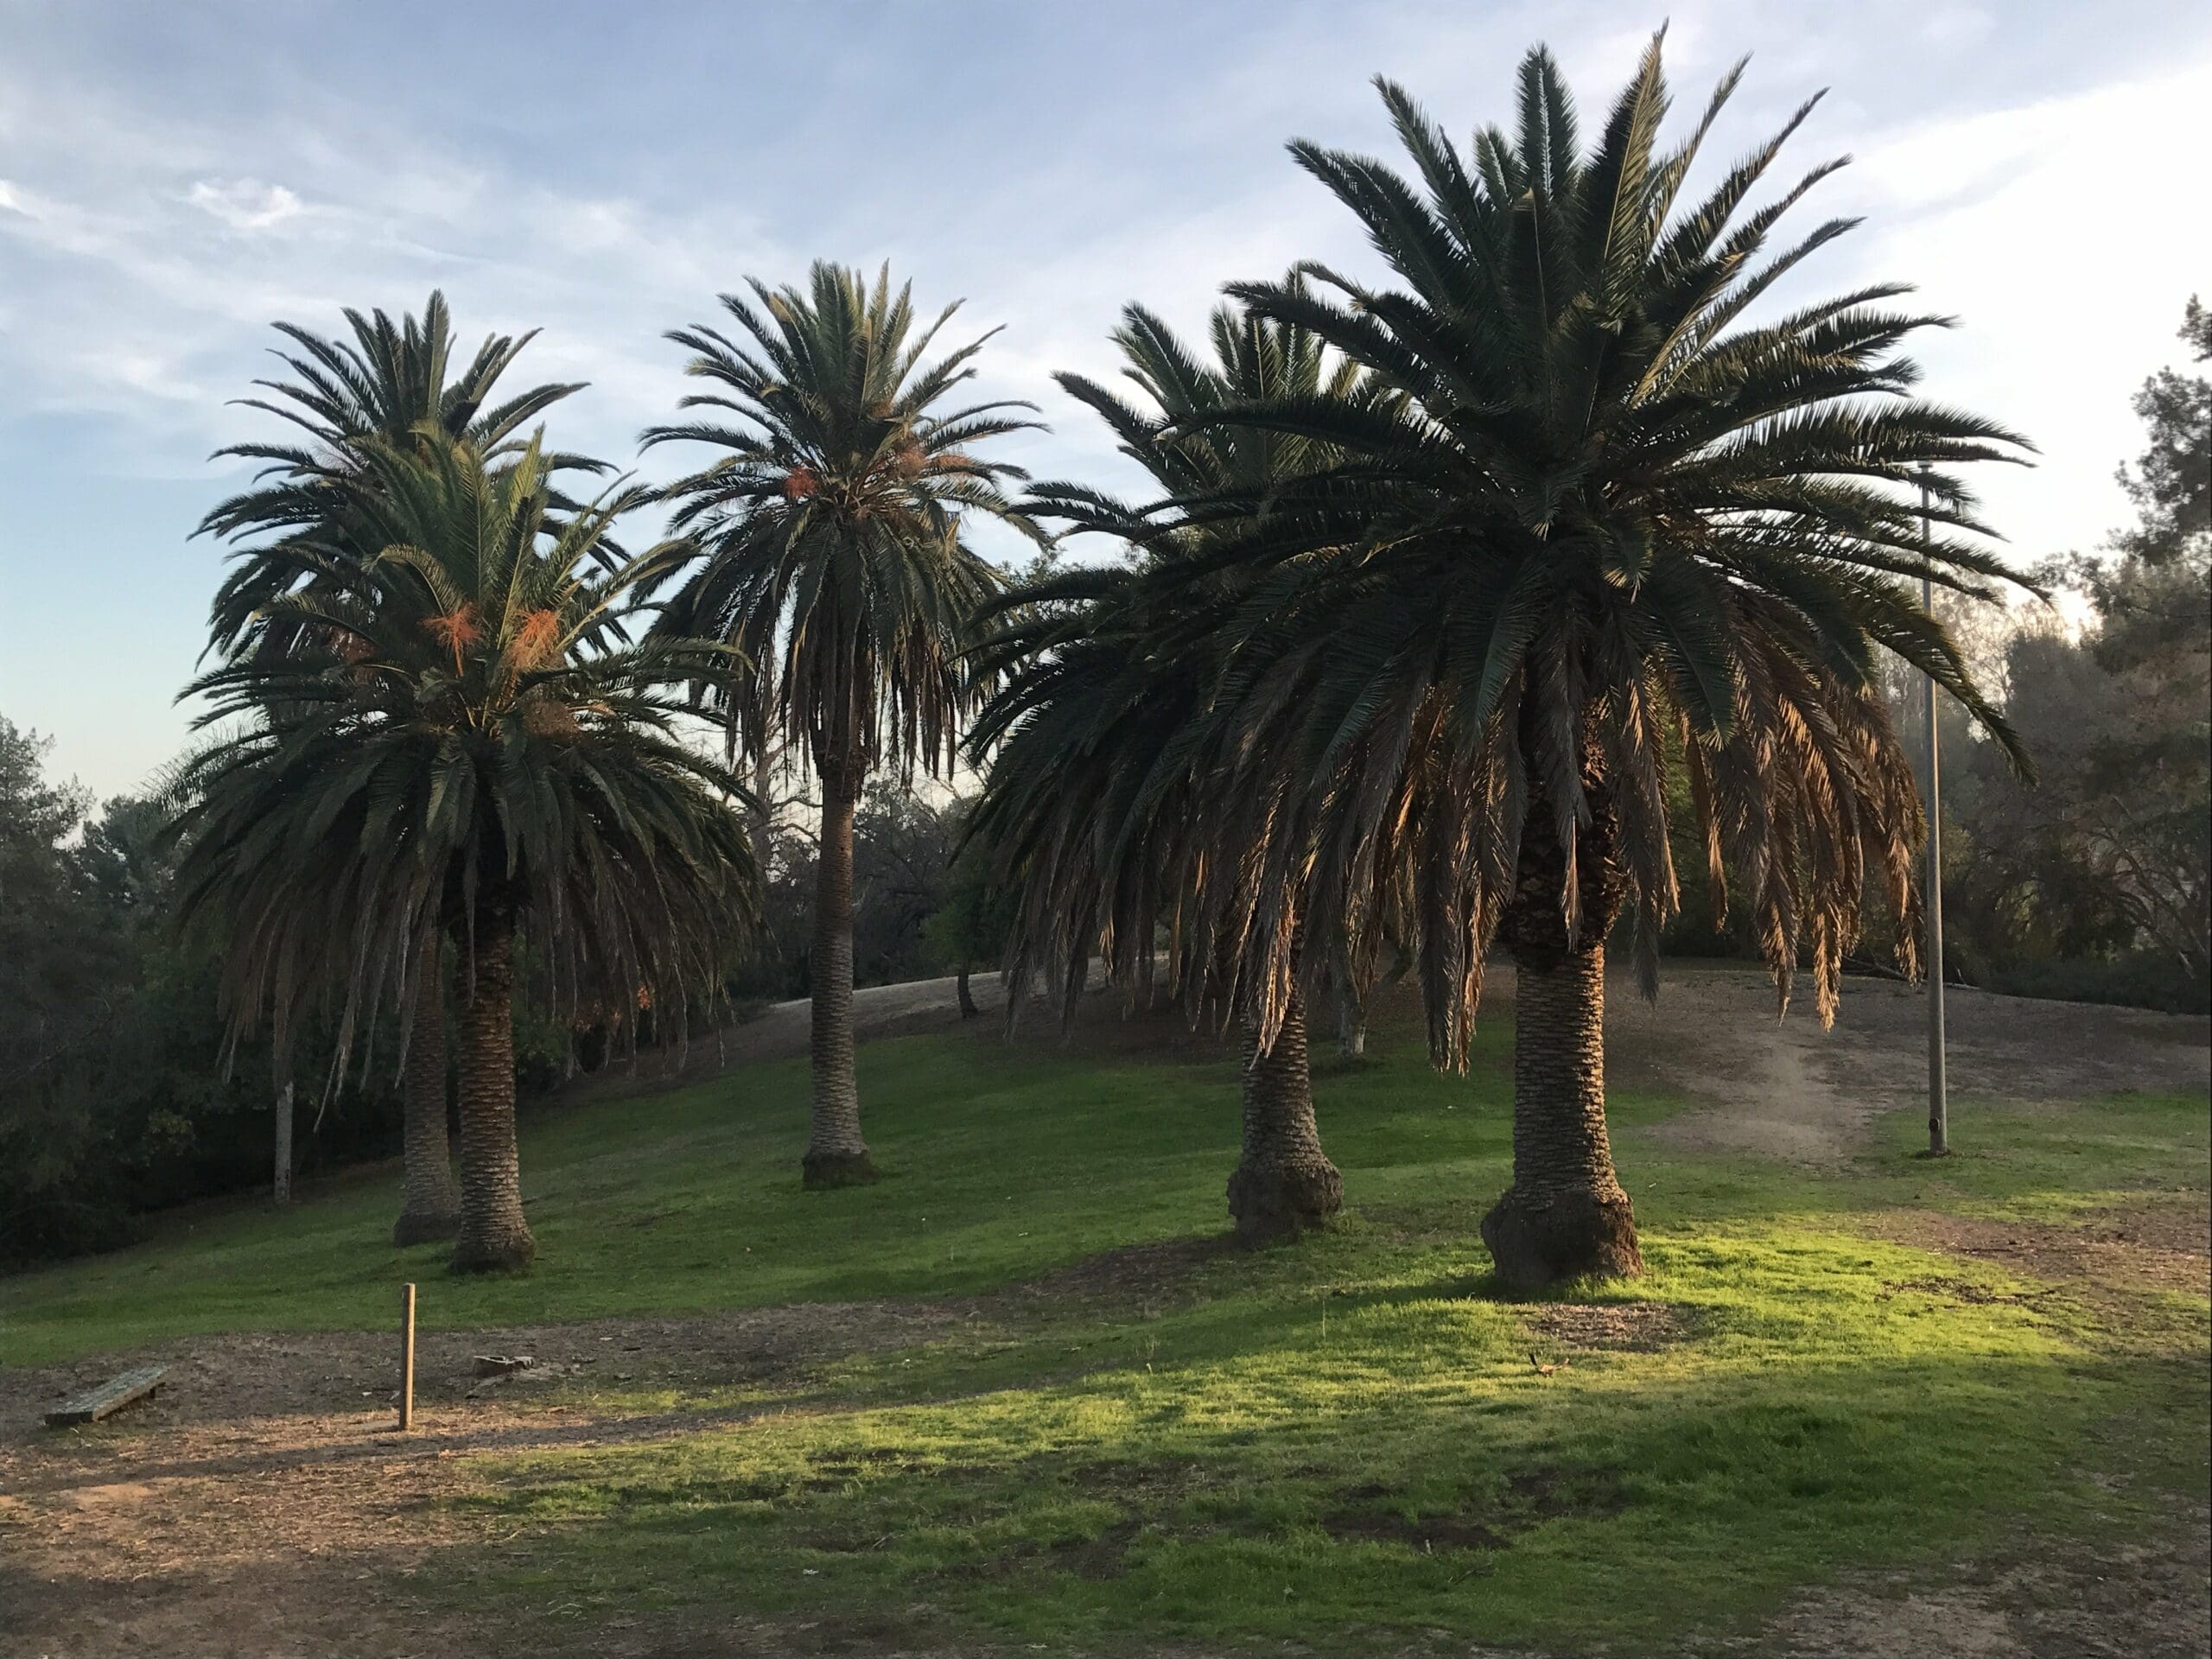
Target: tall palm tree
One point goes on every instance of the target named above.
(1616, 526)
(395, 382)
(836, 565)
(1100, 808)
(447, 754)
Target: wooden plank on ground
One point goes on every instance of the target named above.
(108, 1398)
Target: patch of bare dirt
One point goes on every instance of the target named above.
(1529, 1496)
(2166, 1246)
(1140, 1275)
(2137, 1601)
(1623, 1327)
(216, 1380)
(263, 1503)
(1786, 1090)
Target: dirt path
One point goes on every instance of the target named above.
(244, 1510)
(1786, 1090)
(239, 1512)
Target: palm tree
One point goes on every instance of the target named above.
(836, 566)
(1102, 810)
(390, 380)
(447, 753)
(1611, 529)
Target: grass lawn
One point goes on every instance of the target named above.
(1348, 1442)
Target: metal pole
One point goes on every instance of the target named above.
(1939, 1114)
(406, 1357)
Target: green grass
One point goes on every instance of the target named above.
(1002, 1162)
(1345, 1442)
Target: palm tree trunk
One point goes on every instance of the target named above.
(1352, 1006)
(760, 816)
(1565, 1214)
(1351, 1023)
(429, 1202)
(835, 1154)
(280, 1186)
(493, 1234)
(968, 1008)
(1285, 1184)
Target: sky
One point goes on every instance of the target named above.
(176, 178)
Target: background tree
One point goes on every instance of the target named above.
(970, 926)
(2096, 884)
(453, 757)
(835, 567)
(113, 1099)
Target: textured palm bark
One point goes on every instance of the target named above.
(429, 1200)
(1351, 1025)
(1351, 1004)
(1285, 1184)
(493, 1234)
(1565, 1214)
(280, 1186)
(835, 1154)
(968, 1008)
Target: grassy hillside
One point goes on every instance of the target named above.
(1885, 1365)
(1003, 1161)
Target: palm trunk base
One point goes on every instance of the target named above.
(1539, 1240)
(823, 1171)
(1281, 1198)
(494, 1248)
(494, 1237)
(429, 1198)
(425, 1226)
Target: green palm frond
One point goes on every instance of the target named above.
(831, 522)
(392, 382)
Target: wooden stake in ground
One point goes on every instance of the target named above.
(406, 1357)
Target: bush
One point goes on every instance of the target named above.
(2138, 980)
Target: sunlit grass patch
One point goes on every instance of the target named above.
(1325, 1444)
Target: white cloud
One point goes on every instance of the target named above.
(245, 204)
(2066, 264)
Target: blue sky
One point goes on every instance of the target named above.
(173, 177)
